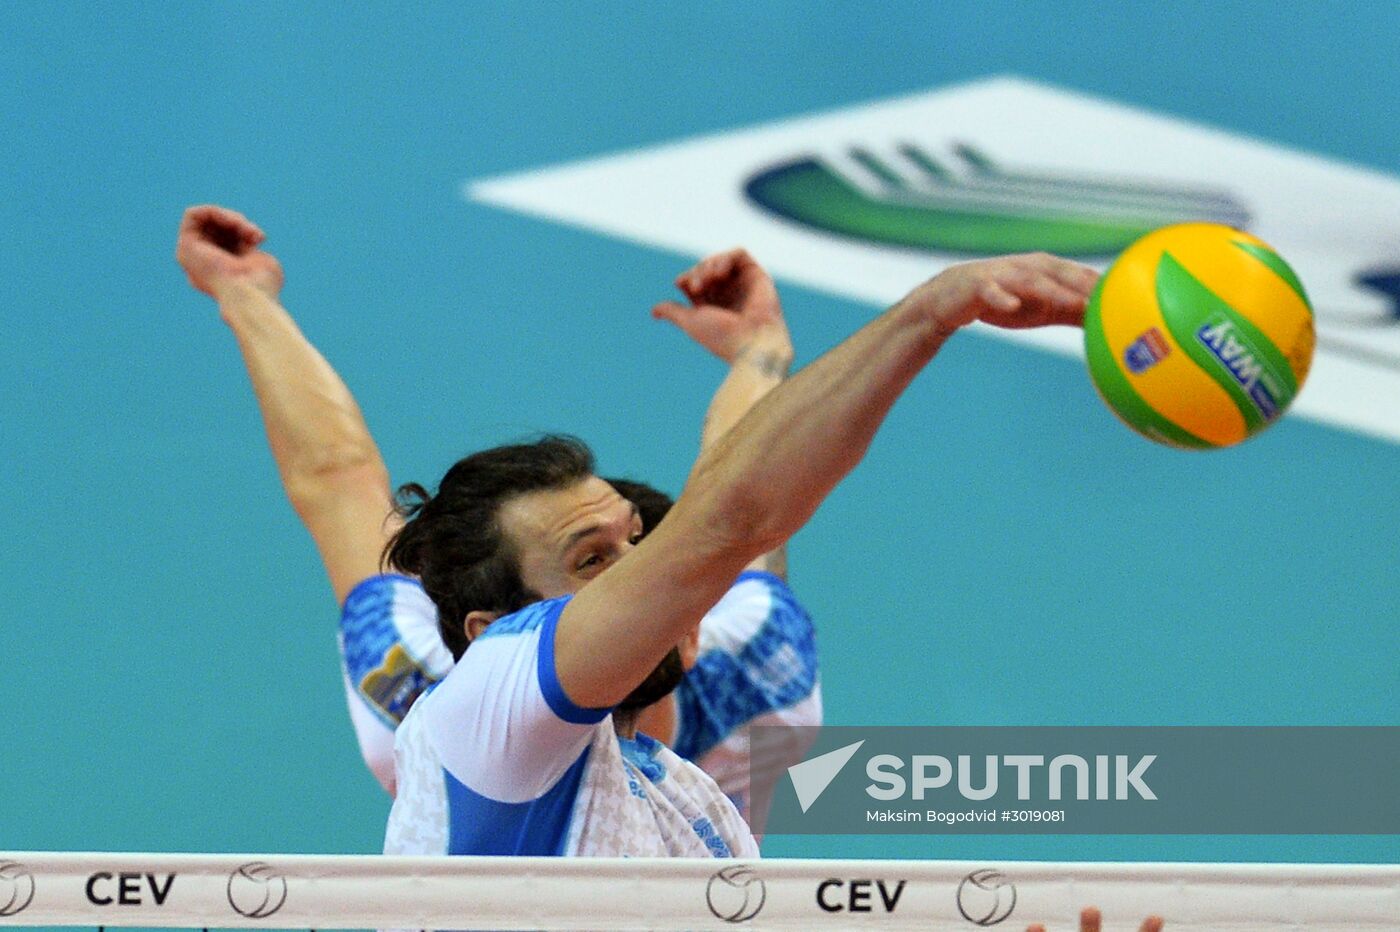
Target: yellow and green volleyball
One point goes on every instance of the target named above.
(1199, 336)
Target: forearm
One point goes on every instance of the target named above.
(313, 424)
(330, 467)
(760, 367)
(765, 477)
(747, 494)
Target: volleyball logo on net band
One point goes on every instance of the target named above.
(986, 897)
(736, 894)
(16, 888)
(256, 890)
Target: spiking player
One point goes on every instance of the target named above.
(654, 600)
(529, 746)
(848, 391)
(757, 660)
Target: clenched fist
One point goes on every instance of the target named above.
(218, 249)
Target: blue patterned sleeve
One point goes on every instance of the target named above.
(390, 646)
(758, 657)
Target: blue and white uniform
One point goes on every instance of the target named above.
(757, 665)
(497, 760)
(390, 652)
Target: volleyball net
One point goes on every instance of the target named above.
(359, 891)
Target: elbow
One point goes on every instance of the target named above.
(751, 519)
(737, 521)
(337, 459)
(334, 472)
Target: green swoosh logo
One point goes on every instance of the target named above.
(972, 206)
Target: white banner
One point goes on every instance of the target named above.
(334, 892)
(868, 201)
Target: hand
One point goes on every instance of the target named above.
(1015, 292)
(218, 249)
(1090, 920)
(732, 303)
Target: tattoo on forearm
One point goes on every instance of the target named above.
(769, 363)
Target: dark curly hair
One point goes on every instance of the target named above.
(652, 503)
(453, 542)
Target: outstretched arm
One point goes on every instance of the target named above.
(332, 473)
(765, 477)
(734, 313)
(330, 467)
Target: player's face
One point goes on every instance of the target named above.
(566, 537)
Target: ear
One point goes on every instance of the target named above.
(476, 622)
(689, 648)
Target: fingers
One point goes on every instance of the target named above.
(1049, 290)
(204, 214)
(710, 271)
(723, 264)
(1067, 286)
(672, 311)
(1091, 920)
(1078, 278)
(1066, 304)
(227, 229)
(996, 297)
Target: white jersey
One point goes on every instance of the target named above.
(497, 760)
(757, 666)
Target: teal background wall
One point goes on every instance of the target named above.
(1007, 555)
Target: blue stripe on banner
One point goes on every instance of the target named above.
(775, 669)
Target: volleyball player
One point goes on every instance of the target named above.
(757, 662)
(571, 622)
(331, 472)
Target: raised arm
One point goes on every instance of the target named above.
(333, 475)
(734, 313)
(330, 467)
(765, 477)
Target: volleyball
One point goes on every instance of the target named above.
(1199, 336)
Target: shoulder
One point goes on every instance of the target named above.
(499, 723)
(390, 645)
(758, 603)
(758, 657)
(377, 590)
(515, 655)
(530, 618)
(387, 609)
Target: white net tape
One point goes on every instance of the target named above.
(335, 892)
